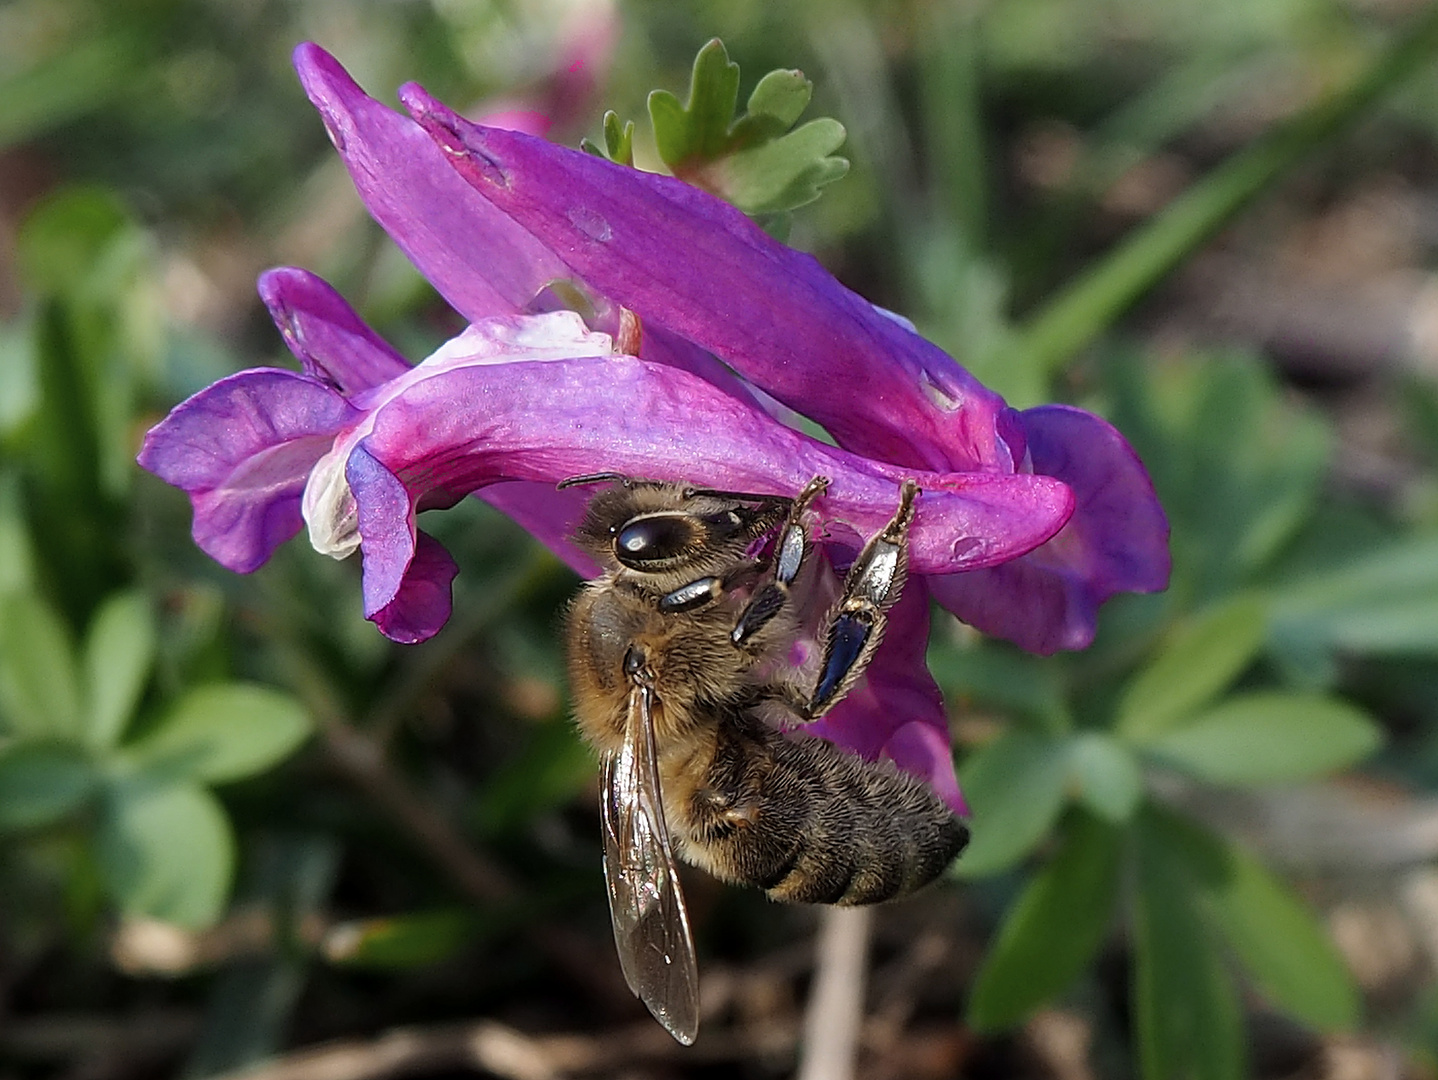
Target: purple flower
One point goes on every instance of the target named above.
(1027, 522)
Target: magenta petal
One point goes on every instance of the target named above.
(923, 749)
(422, 604)
(687, 261)
(242, 449)
(479, 260)
(386, 528)
(407, 573)
(332, 342)
(1116, 541)
(464, 428)
(896, 710)
(666, 347)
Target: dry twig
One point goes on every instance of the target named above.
(505, 1052)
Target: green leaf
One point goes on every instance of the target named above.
(39, 687)
(1053, 930)
(1106, 775)
(1384, 602)
(1296, 445)
(618, 141)
(1186, 1010)
(780, 99)
(751, 162)
(1270, 737)
(1015, 788)
(1238, 465)
(119, 652)
(1195, 665)
(223, 732)
(166, 852)
(699, 129)
(41, 783)
(783, 174)
(1274, 935)
(403, 941)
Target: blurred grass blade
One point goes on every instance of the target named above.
(1419, 404)
(1271, 737)
(1088, 306)
(1276, 938)
(953, 128)
(17, 559)
(19, 377)
(63, 241)
(1175, 102)
(63, 87)
(119, 651)
(401, 941)
(1195, 664)
(962, 294)
(1054, 928)
(249, 1008)
(1185, 1005)
(1015, 786)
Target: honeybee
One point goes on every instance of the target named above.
(678, 661)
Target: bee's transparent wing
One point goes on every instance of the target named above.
(651, 925)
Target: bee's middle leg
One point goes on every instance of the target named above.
(788, 559)
(855, 626)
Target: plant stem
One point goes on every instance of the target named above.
(836, 1003)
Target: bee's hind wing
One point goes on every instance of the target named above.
(651, 924)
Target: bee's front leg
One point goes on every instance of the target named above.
(855, 626)
(788, 559)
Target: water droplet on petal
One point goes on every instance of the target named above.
(334, 130)
(590, 224)
(290, 326)
(937, 394)
(962, 546)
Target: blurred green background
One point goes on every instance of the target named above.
(235, 822)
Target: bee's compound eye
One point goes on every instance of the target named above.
(654, 539)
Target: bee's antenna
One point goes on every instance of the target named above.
(592, 478)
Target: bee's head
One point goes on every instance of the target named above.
(658, 528)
